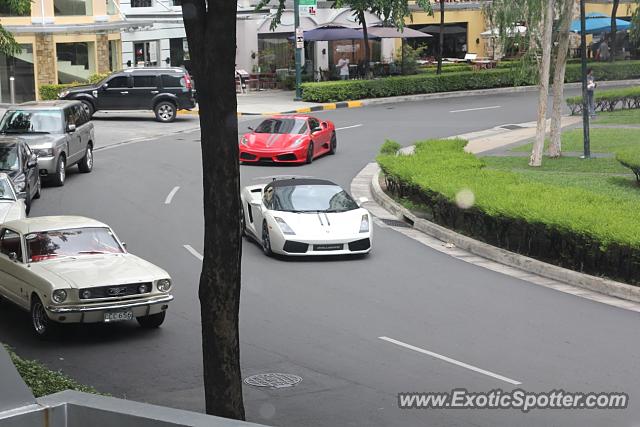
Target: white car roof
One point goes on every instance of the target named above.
(48, 223)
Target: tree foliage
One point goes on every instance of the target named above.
(635, 24)
(8, 44)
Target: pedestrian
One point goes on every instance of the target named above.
(343, 67)
(591, 87)
(604, 50)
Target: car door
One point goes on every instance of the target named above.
(145, 87)
(83, 129)
(31, 170)
(74, 138)
(12, 283)
(318, 136)
(114, 95)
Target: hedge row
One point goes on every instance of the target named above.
(49, 92)
(630, 158)
(454, 81)
(609, 100)
(568, 226)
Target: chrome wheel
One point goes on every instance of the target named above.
(39, 317)
(165, 112)
(89, 157)
(266, 241)
(62, 173)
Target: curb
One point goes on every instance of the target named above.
(313, 108)
(502, 256)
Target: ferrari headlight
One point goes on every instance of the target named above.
(244, 141)
(364, 224)
(284, 226)
(164, 285)
(43, 152)
(298, 142)
(59, 295)
(20, 183)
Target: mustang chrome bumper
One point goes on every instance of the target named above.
(69, 309)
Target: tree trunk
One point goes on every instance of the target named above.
(441, 47)
(367, 49)
(211, 32)
(555, 147)
(614, 30)
(538, 145)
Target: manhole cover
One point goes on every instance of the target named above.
(395, 223)
(512, 127)
(273, 380)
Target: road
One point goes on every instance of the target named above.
(323, 319)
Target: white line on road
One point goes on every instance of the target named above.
(450, 360)
(170, 195)
(475, 109)
(349, 127)
(193, 252)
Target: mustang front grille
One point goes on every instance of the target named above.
(115, 290)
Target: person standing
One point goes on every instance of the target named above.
(591, 87)
(343, 67)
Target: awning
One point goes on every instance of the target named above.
(448, 29)
(599, 23)
(394, 33)
(334, 33)
(78, 28)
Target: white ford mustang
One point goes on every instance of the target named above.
(305, 217)
(11, 207)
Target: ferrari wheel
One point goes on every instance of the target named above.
(266, 240)
(334, 144)
(310, 153)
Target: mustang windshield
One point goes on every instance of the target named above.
(310, 198)
(6, 192)
(32, 121)
(292, 126)
(9, 158)
(71, 242)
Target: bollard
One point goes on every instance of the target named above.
(12, 89)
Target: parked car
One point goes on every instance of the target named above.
(11, 206)
(60, 133)
(21, 165)
(70, 269)
(305, 216)
(162, 90)
(288, 139)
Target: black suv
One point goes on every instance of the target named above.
(163, 90)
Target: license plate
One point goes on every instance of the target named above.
(329, 247)
(118, 316)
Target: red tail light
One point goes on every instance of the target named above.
(187, 81)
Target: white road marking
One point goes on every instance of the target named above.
(450, 360)
(170, 195)
(349, 127)
(193, 252)
(475, 109)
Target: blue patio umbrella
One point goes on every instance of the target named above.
(334, 33)
(599, 23)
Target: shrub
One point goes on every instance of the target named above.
(390, 147)
(43, 381)
(95, 78)
(569, 226)
(609, 100)
(50, 92)
(630, 158)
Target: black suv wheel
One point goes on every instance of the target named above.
(165, 111)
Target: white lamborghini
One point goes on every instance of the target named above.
(305, 216)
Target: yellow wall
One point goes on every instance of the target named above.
(624, 9)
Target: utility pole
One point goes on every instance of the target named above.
(585, 102)
(299, 46)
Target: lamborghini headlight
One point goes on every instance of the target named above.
(284, 226)
(364, 224)
(297, 143)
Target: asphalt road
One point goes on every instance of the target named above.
(322, 319)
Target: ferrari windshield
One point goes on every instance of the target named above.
(32, 121)
(292, 126)
(310, 198)
(6, 192)
(71, 242)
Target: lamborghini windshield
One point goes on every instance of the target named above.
(309, 198)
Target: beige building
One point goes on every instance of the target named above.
(62, 41)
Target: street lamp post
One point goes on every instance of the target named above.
(296, 14)
(585, 102)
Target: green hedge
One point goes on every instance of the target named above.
(568, 226)
(609, 100)
(454, 81)
(49, 92)
(630, 158)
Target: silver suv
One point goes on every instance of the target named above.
(60, 133)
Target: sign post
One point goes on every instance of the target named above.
(299, 47)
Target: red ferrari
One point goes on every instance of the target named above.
(288, 139)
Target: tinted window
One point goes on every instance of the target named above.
(118, 82)
(70, 116)
(144, 81)
(10, 242)
(81, 117)
(311, 198)
(294, 126)
(32, 121)
(174, 80)
(9, 158)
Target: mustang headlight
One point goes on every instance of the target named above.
(364, 224)
(284, 226)
(43, 152)
(20, 183)
(244, 141)
(59, 295)
(164, 285)
(298, 142)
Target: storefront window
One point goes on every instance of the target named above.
(275, 51)
(179, 51)
(114, 55)
(76, 61)
(72, 7)
(20, 67)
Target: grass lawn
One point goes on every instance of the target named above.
(621, 117)
(602, 140)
